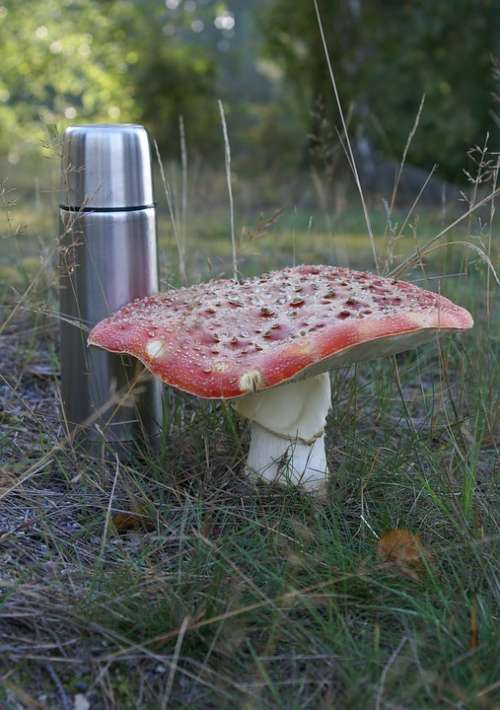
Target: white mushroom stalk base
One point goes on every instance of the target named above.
(287, 432)
(275, 458)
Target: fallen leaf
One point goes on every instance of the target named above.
(403, 549)
(138, 519)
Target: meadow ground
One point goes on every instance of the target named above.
(172, 581)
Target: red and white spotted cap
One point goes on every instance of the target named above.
(224, 339)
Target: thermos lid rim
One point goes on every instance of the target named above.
(106, 166)
(135, 208)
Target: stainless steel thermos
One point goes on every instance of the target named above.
(108, 257)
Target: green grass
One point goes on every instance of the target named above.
(258, 597)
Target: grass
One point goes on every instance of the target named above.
(171, 581)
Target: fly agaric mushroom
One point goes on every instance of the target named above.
(268, 343)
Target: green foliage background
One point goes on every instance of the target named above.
(386, 56)
(68, 61)
(97, 60)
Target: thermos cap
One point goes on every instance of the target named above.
(106, 166)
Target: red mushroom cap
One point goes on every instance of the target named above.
(223, 339)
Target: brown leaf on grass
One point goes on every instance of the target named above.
(137, 519)
(403, 549)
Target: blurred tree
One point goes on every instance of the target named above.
(293, 39)
(444, 50)
(171, 72)
(73, 61)
(386, 55)
(58, 63)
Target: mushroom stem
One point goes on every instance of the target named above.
(275, 458)
(287, 432)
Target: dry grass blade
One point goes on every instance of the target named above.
(110, 505)
(184, 191)
(227, 162)
(402, 164)
(37, 467)
(480, 252)
(285, 599)
(173, 217)
(262, 227)
(352, 161)
(416, 200)
(175, 661)
(23, 298)
(23, 696)
(490, 235)
(66, 442)
(387, 667)
(418, 255)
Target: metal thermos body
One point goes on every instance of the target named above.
(108, 257)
